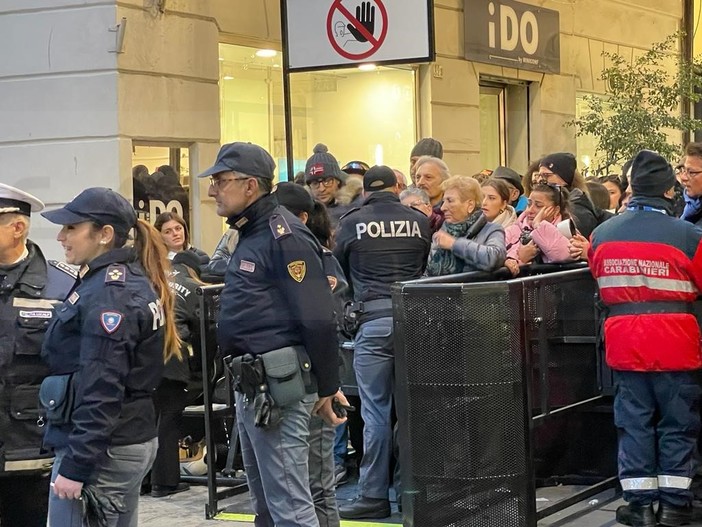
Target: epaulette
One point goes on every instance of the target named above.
(349, 212)
(279, 226)
(116, 274)
(64, 267)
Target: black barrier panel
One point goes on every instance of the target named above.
(488, 375)
(560, 331)
(460, 402)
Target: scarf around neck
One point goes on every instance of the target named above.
(444, 261)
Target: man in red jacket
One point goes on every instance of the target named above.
(648, 266)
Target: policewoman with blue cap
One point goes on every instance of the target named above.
(106, 351)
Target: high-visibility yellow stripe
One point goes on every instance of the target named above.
(237, 517)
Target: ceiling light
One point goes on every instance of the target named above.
(266, 53)
(367, 67)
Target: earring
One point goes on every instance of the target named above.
(102, 242)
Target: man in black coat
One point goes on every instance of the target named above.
(29, 288)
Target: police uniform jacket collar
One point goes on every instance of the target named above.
(380, 197)
(121, 255)
(261, 208)
(29, 274)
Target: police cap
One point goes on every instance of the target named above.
(245, 158)
(101, 205)
(15, 200)
(379, 177)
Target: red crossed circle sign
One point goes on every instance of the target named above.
(340, 14)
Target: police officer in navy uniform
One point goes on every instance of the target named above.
(106, 349)
(648, 266)
(29, 288)
(275, 295)
(381, 243)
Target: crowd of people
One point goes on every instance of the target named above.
(111, 351)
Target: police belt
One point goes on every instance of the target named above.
(649, 308)
(374, 309)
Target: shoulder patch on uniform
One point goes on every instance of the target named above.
(73, 298)
(349, 212)
(63, 266)
(110, 321)
(116, 273)
(279, 226)
(333, 281)
(297, 270)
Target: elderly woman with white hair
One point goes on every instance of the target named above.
(466, 240)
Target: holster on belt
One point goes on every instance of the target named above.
(273, 379)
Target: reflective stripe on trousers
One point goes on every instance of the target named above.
(674, 482)
(639, 483)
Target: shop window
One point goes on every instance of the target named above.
(359, 115)
(161, 181)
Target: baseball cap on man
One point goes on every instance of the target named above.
(322, 165)
(379, 177)
(510, 176)
(15, 200)
(101, 205)
(245, 158)
(651, 175)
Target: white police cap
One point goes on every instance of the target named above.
(15, 200)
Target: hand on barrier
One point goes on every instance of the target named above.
(323, 407)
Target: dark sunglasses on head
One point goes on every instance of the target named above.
(355, 167)
(558, 192)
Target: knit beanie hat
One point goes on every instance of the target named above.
(651, 175)
(428, 147)
(563, 164)
(322, 165)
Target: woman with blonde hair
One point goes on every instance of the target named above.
(466, 240)
(106, 350)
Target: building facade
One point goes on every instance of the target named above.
(91, 88)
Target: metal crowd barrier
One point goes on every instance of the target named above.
(484, 364)
(212, 372)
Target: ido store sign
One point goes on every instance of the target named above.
(323, 34)
(512, 34)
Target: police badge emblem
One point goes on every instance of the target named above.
(110, 321)
(297, 270)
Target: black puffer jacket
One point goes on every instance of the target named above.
(585, 214)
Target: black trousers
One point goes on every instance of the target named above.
(24, 500)
(169, 399)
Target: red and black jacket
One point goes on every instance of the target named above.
(648, 267)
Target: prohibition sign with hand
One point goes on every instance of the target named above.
(362, 27)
